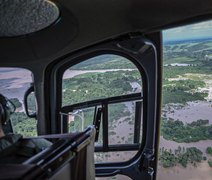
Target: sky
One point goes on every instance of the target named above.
(194, 31)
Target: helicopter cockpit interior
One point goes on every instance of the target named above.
(89, 73)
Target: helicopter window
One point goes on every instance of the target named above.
(109, 75)
(13, 84)
(186, 125)
(106, 91)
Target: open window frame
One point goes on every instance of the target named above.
(142, 52)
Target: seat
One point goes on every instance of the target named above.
(70, 158)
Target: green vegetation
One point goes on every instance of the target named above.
(194, 55)
(210, 163)
(183, 59)
(191, 155)
(193, 132)
(168, 159)
(181, 91)
(115, 111)
(184, 85)
(23, 125)
(187, 52)
(91, 86)
(179, 96)
(209, 150)
(175, 71)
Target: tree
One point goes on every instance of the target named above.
(209, 150)
(210, 163)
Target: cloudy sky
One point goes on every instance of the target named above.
(199, 30)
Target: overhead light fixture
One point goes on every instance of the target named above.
(21, 17)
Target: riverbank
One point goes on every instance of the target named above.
(14, 82)
(201, 145)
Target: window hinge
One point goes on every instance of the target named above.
(147, 160)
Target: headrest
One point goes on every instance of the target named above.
(6, 109)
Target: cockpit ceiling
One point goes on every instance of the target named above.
(83, 23)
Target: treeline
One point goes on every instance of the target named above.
(183, 85)
(181, 91)
(107, 61)
(191, 132)
(174, 71)
(181, 156)
(91, 86)
(178, 96)
(193, 50)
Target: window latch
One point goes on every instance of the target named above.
(97, 122)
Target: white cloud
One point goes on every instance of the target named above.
(203, 25)
(198, 30)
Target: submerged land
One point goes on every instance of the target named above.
(186, 129)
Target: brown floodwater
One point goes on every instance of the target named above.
(201, 172)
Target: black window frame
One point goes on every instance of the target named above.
(104, 102)
(151, 104)
(65, 109)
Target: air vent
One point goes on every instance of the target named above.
(21, 17)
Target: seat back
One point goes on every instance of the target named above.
(81, 167)
(68, 159)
